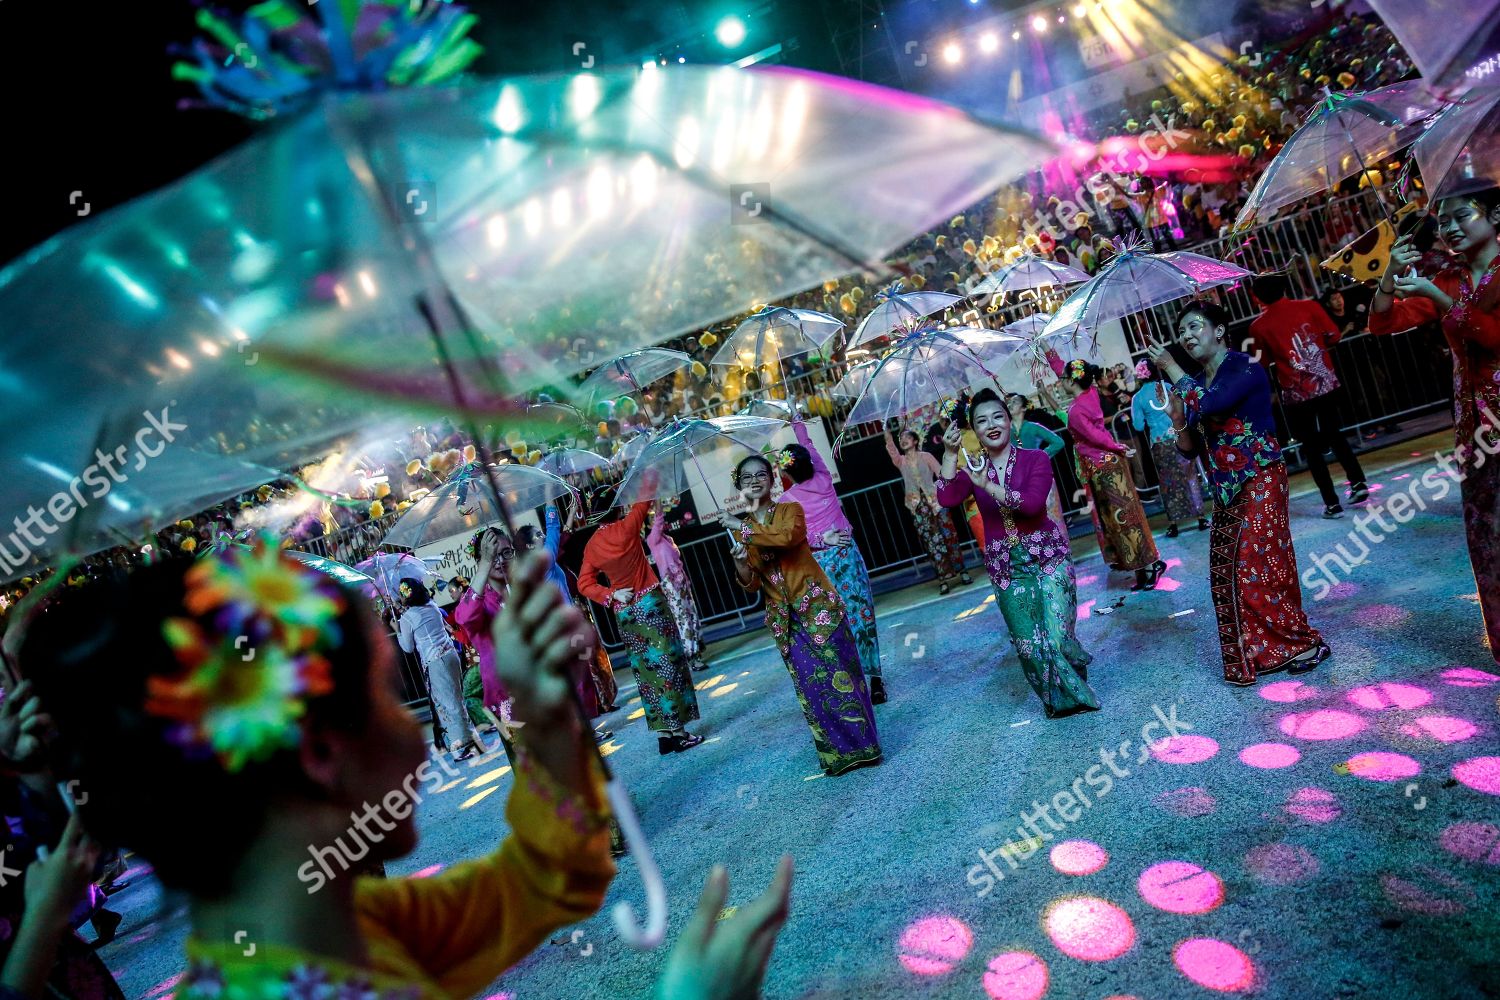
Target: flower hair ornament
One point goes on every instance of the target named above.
(1143, 370)
(1077, 368)
(782, 459)
(251, 650)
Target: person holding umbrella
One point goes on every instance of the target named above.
(1466, 300)
(615, 573)
(831, 538)
(808, 621)
(1252, 565)
(934, 524)
(423, 631)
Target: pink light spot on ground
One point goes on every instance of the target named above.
(1084, 610)
(1410, 896)
(1215, 965)
(1323, 724)
(1180, 887)
(1184, 749)
(1281, 864)
(1288, 692)
(164, 986)
(430, 870)
(1165, 581)
(1469, 677)
(1016, 975)
(1344, 589)
(1270, 755)
(1379, 697)
(1442, 728)
(1084, 581)
(1088, 928)
(1188, 802)
(1478, 842)
(933, 946)
(1382, 766)
(1480, 773)
(1404, 475)
(1315, 805)
(1381, 616)
(1078, 857)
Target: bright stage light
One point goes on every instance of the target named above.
(952, 53)
(1080, 9)
(730, 32)
(1016, 35)
(1039, 24)
(989, 42)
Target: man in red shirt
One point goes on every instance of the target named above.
(1296, 335)
(615, 573)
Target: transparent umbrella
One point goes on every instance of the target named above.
(928, 366)
(1342, 135)
(1027, 272)
(572, 461)
(900, 312)
(384, 572)
(776, 333)
(630, 373)
(347, 575)
(1028, 369)
(1134, 281)
(465, 504)
(1446, 40)
(1460, 149)
(691, 451)
(1028, 326)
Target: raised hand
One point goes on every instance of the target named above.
(953, 438)
(726, 960)
(22, 724)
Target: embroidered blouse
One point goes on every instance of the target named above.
(1472, 327)
(819, 500)
(615, 550)
(1149, 412)
(1239, 429)
(664, 551)
(919, 471)
(1091, 437)
(451, 934)
(782, 566)
(476, 615)
(1020, 530)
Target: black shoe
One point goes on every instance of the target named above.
(677, 742)
(1333, 510)
(1202, 524)
(466, 752)
(877, 691)
(943, 589)
(603, 736)
(1359, 493)
(106, 923)
(1310, 659)
(1172, 531)
(699, 667)
(966, 578)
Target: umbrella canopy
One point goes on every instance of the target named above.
(775, 333)
(854, 381)
(631, 372)
(1134, 281)
(464, 503)
(900, 312)
(1027, 369)
(776, 409)
(272, 294)
(1445, 40)
(347, 575)
(1029, 271)
(1342, 135)
(1460, 149)
(928, 366)
(1027, 326)
(385, 571)
(572, 461)
(690, 451)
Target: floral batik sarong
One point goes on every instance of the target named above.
(1181, 494)
(679, 593)
(1252, 572)
(1119, 521)
(662, 677)
(845, 566)
(823, 660)
(935, 528)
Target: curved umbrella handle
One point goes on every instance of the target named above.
(649, 937)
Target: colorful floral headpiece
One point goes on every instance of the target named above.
(782, 459)
(252, 648)
(947, 408)
(1077, 368)
(1143, 369)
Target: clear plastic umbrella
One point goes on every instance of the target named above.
(900, 312)
(572, 461)
(1445, 40)
(465, 504)
(928, 366)
(1028, 369)
(347, 575)
(854, 381)
(776, 409)
(689, 451)
(1460, 148)
(384, 572)
(776, 333)
(1028, 272)
(1342, 135)
(1134, 281)
(630, 373)
(1028, 326)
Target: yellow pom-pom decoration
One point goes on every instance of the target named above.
(382, 490)
(185, 525)
(958, 222)
(970, 247)
(469, 453)
(698, 369)
(1247, 151)
(1208, 125)
(603, 428)
(413, 467)
(377, 510)
(402, 506)
(829, 286)
(1239, 121)
(532, 457)
(708, 339)
(917, 281)
(1347, 81)
(264, 493)
(189, 544)
(846, 303)
(857, 294)
(941, 241)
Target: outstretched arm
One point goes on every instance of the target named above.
(787, 530)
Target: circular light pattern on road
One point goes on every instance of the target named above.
(933, 946)
(1323, 724)
(1187, 802)
(1480, 773)
(1440, 729)
(1383, 766)
(1287, 692)
(1016, 975)
(1470, 677)
(1379, 697)
(1477, 842)
(1088, 928)
(1215, 965)
(1314, 805)
(1184, 749)
(1270, 755)
(1180, 887)
(1281, 864)
(1078, 857)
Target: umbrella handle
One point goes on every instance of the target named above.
(649, 937)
